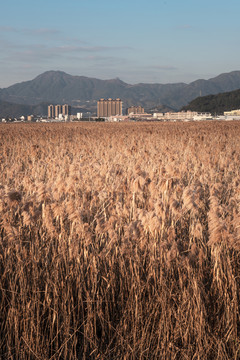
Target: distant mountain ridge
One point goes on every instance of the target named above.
(60, 87)
(11, 110)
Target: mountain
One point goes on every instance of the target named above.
(59, 87)
(12, 110)
(215, 104)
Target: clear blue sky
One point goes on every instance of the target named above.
(162, 41)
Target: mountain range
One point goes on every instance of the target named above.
(58, 87)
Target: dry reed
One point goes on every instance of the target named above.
(120, 241)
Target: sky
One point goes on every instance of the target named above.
(150, 41)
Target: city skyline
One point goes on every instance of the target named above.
(152, 42)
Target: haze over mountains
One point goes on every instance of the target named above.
(59, 87)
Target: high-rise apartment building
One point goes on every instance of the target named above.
(109, 107)
(58, 110)
(55, 111)
(66, 109)
(51, 112)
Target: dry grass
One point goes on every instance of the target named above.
(120, 241)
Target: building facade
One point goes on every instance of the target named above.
(109, 107)
(135, 110)
(232, 112)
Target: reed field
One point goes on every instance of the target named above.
(120, 241)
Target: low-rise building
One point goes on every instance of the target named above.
(232, 112)
(202, 116)
(135, 110)
(159, 116)
(183, 116)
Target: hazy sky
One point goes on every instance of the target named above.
(136, 40)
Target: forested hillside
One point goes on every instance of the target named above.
(215, 104)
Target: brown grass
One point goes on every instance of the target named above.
(120, 241)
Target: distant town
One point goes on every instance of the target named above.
(111, 110)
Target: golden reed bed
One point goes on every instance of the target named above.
(120, 241)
